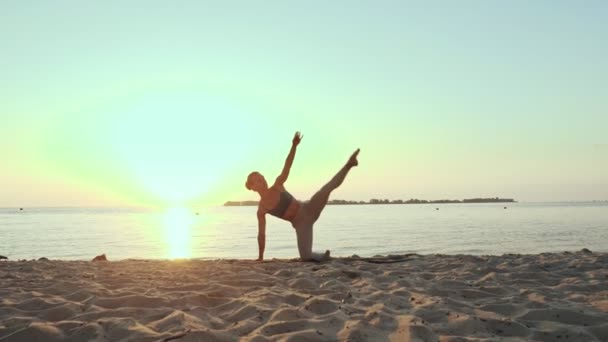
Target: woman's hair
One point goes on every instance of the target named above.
(248, 182)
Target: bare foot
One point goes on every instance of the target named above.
(352, 161)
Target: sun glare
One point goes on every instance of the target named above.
(178, 147)
(178, 225)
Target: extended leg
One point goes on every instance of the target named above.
(319, 200)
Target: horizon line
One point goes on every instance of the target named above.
(222, 205)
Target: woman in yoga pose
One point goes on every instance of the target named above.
(276, 201)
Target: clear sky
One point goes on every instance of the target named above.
(158, 102)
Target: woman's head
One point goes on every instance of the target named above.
(256, 182)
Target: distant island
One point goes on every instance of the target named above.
(386, 201)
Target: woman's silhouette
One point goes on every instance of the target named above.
(276, 201)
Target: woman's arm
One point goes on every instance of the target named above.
(261, 233)
(292, 153)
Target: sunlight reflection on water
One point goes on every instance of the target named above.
(230, 232)
(178, 224)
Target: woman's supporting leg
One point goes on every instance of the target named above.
(304, 233)
(318, 201)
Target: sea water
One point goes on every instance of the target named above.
(365, 230)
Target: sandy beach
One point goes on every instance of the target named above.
(543, 297)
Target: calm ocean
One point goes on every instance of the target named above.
(365, 230)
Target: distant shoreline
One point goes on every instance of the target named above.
(386, 201)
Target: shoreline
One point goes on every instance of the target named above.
(548, 296)
(7, 258)
(386, 201)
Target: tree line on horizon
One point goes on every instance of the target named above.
(386, 201)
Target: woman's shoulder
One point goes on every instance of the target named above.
(277, 188)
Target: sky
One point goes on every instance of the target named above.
(174, 103)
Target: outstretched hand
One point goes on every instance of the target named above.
(297, 138)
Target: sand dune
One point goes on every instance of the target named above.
(546, 297)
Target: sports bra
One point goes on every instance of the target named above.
(284, 202)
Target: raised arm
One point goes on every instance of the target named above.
(261, 232)
(292, 153)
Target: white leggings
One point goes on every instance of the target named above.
(303, 224)
(304, 233)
